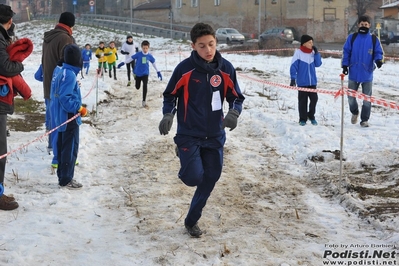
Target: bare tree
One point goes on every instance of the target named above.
(362, 7)
(35, 7)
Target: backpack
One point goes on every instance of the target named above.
(354, 35)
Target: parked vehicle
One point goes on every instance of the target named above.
(281, 35)
(229, 35)
(386, 37)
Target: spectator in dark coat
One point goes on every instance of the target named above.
(8, 69)
(53, 44)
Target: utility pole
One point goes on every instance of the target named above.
(131, 16)
(259, 15)
(199, 11)
(171, 23)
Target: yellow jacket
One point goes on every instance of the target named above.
(112, 55)
(101, 55)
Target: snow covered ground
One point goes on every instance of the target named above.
(280, 199)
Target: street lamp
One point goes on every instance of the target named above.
(74, 5)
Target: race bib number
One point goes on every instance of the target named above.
(216, 101)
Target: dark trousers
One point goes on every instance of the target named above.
(303, 96)
(145, 82)
(67, 152)
(201, 162)
(3, 145)
(110, 70)
(130, 68)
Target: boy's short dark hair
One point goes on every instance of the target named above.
(201, 29)
(145, 43)
(6, 13)
(101, 42)
(364, 18)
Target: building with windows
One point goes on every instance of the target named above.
(390, 15)
(326, 20)
(21, 9)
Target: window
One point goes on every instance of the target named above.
(194, 3)
(217, 2)
(256, 2)
(178, 3)
(329, 14)
(19, 5)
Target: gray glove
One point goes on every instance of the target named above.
(230, 120)
(166, 124)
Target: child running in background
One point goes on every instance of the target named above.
(102, 59)
(112, 56)
(86, 57)
(129, 48)
(142, 69)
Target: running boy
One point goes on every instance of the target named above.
(129, 48)
(142, 69)
(66, 103)
(102, 59)
(86, 57)
(196, 92)
(112, 56)
(303, 70)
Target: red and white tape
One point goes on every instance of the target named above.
(337, 93)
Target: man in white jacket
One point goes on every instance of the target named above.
(129, 48)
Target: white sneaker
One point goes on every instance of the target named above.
(354, 119)
(145, 104)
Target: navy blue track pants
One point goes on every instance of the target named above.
(201, 162)
(67, 152)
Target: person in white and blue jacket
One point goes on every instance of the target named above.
(360, 52)
(196, 92)
(128, 49)
(303, 74)
(66, 102)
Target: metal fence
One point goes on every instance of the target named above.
(151, 28)
(145, 27)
